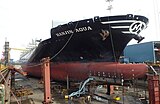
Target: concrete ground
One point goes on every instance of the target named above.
(33, 86)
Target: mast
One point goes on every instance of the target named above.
(110, 7)
(157, 18)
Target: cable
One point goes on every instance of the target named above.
(112, 44)
(61, 48)
(82, 88)
(65, 43)
(34, 65)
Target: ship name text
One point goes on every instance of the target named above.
(77, 30)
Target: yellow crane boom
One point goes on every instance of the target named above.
(20, 49)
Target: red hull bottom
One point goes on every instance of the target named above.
(77, 71)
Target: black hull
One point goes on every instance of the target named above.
(98, 39)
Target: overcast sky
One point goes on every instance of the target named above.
(24, 20)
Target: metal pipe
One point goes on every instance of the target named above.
(154, 56)
(67, 83)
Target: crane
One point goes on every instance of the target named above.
(16, 49)
(19, 49)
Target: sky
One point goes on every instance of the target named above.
(24, 20)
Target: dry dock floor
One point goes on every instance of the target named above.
(36, 90)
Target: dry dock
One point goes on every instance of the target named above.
(31, 91)
(17, 88)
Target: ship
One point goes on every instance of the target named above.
(26, 54)
(90, 48)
